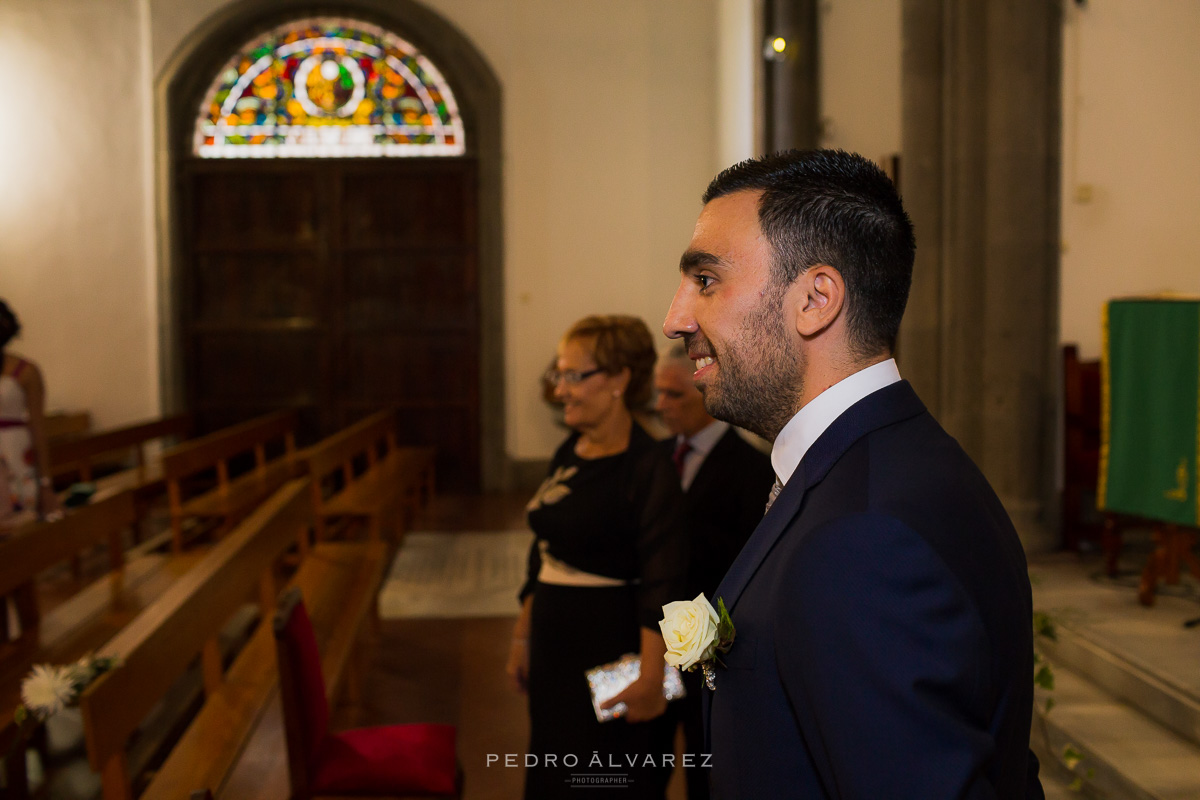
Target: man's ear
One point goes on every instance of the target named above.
(822, 295)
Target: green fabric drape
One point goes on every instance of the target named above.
(1151, 410)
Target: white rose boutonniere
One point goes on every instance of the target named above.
(695, 632)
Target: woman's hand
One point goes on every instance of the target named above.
(518, 664)
(643, 699)
(518, 649)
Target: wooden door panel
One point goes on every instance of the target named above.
(233, 287)
(277, 368)
(255, 207)
(418, 204)
(423, 369)
(411, 289)
(337, 287)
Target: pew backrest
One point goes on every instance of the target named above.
(79, 454)
(35, 548)
(337, 452)
(160, 644)
(217, 448)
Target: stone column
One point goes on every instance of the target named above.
(792, 84)
(981, 95)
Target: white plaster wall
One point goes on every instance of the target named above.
(73, 222)
(1131, 157)
(860, 76)
(609, 134)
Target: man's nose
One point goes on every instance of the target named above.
(680, 319)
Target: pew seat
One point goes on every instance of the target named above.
(338, 579)
(241, 494)
(341, 579)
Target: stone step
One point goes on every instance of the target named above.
(1132, 678)
(1126, 755)
(1056, 783)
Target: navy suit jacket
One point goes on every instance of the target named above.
(884, 646)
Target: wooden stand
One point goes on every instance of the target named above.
(1173, 548)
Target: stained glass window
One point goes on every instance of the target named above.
(328, 87)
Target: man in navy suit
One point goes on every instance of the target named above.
(884, 646)
(725, 481)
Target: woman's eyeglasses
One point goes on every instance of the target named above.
(570, 377)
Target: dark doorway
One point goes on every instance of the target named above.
(337, 287)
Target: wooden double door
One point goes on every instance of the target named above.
(335, 287)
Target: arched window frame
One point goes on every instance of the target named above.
(337, 132)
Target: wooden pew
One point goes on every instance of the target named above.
(34, 548)
(394, 484)
(232, 498)
(91, 616)
(339, 582)
(80, 455)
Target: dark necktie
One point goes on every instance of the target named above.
(681, 451)
(775, 490)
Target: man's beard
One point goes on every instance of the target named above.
(759, 380)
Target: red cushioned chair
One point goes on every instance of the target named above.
(411, 761)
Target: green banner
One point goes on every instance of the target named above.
(1151, 410)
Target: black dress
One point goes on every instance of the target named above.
(616, 516)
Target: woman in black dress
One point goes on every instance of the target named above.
(609, 553)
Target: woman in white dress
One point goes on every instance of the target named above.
(24, 456)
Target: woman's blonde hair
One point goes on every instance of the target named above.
(618, 342)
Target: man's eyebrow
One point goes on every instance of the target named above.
(694, 259)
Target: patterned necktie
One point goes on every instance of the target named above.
(775, 490)
(681, 451)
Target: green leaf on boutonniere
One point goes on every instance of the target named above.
(725, 630)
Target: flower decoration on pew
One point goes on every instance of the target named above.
(49, 688)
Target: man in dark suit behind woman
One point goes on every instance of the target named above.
(884, 645)
(726, 482)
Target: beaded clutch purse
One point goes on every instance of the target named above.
(608, 680)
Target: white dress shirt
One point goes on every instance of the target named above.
(702, 444)
(811, 421)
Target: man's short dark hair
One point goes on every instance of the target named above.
(840, 209)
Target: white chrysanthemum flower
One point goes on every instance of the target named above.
(47, 690)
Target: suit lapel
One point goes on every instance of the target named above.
(764, 537)
(877, 410)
